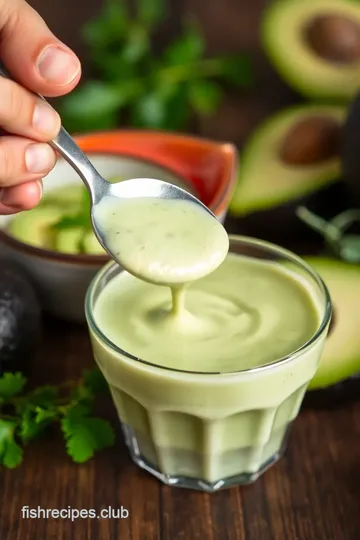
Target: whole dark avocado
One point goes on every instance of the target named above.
(20, 318)
(291, 159)
(315, 46)
(350, 153)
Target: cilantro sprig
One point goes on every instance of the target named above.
(342, 243)
(81, 218)
(139, 84)
(27, 414)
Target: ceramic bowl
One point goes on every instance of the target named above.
(205, 168)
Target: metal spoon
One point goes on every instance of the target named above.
(99, 188)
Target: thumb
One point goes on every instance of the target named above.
(32, 54)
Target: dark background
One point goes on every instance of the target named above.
(228, 25)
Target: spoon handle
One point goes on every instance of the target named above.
(70, 151)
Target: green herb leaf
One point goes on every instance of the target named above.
(187, 49)
(29, 428)
(93, 98)
(12, 455)
(150, 12)
(330, 232)
(95, 381)
(43, 396)
(204, 96)
(150, 111)
(82, 393)
(11, 384)
(138, 83)
(236, 70)
(350, 248)
(109, 25)
(45, 415)
(84, 434)
(137, 45)
(27, 415)
(6, 430)
(70, 222)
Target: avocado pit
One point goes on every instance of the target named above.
(334, 38)
(310, 141)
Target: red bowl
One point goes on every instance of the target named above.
(210, 166)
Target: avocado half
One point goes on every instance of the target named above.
(291, 159)
(341, 355)
(315, 45)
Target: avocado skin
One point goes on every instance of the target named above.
(280, 224)
(20, 319)
(350, 151)
(341, 393)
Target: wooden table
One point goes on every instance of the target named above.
(313, 493)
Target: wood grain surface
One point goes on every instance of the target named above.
(312, 493)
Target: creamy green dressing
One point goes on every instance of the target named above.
(163, 241)
(214, 312)
(246, 313)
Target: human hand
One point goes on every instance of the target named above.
(42, 64)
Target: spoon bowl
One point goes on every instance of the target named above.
(100, 189)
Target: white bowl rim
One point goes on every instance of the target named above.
(82, 258)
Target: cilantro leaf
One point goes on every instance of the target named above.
(70, 222)
(95, 381)
(85, 435)
(150, 12)
(137, 46)
(13, 454)
(94, 96)
(204, 96)
(45, 415)
(6, 430)
(81, 219)
(150, 111)
(11, 384)
(187, 49)
(236, 70)
(28, 428)
(112, 22)
(82, 393)
(44, 396)
(95, 103)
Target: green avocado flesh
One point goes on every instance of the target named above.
(264, 180)
(60, 223)
(341, 355)
(283, 33)
(34, 227)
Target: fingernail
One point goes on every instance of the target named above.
(58, 65)
(45, 119)
(40, 184)
(39, 158)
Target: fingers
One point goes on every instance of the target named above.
(33, 55)
(24, 160)
(21, 197)
(22, 113)
(44, 65)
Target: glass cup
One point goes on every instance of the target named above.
(208, 431)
